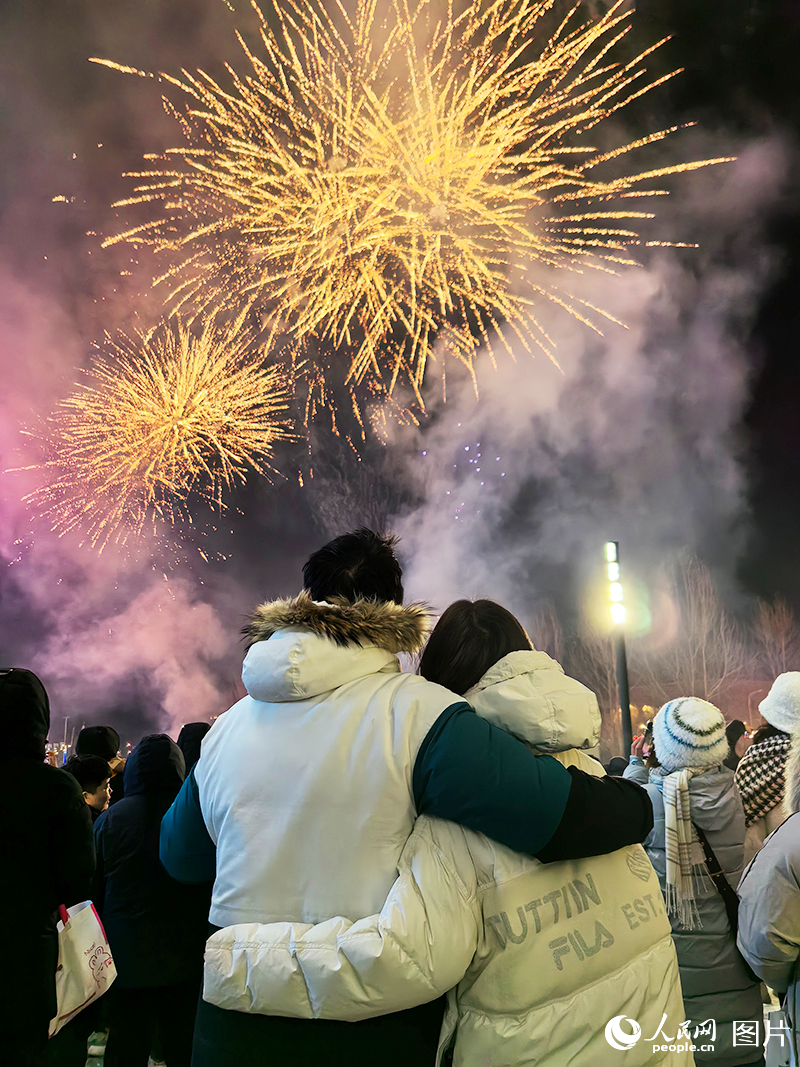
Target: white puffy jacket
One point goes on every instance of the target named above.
(543, 956)
(314, 763)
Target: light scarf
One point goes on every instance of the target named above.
(686, 868)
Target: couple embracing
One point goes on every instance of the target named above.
(400, 861)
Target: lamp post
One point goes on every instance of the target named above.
(617, 608)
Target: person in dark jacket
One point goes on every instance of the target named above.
(617, 765)
(156, 927)
(189, 740)
(48, 860)
(103, 741)
(93, 775)
(738, 743)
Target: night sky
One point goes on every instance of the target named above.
(681, 434)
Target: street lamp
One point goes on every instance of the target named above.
(617, 610)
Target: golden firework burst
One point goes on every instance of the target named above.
(380, 181)
(163, 417)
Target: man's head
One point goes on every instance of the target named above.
(738, 737)
(102, 741)
(93, 774)
(356, 566)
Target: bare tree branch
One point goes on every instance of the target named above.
(776, 637)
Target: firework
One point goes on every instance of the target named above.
(163, 418)
(379, 183)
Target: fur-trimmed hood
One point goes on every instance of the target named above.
(392, 627)
(301, 649)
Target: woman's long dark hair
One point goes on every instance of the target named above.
(469, 638)
(763, 733)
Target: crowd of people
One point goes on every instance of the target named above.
(358, 864)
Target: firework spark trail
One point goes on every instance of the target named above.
(380, 185)
(168, 415)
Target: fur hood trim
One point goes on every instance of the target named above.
(392, 627)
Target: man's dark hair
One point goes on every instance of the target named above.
(91, 771)
(100, 741)
(733, 731)
(469, 638)
(356, 566)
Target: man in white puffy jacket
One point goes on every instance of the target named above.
(544, 956)
(307, 789)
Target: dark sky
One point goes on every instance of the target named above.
(683, 434)
(741, 67)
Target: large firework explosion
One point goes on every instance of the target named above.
(163, 418)
(377, 184)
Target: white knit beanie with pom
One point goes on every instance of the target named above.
(689, 732)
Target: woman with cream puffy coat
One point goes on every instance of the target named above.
(551, 964)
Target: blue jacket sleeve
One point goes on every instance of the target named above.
(185, 847)
(474, 774)
(477, 775)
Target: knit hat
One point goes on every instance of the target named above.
(781, 706)
(100, 741)
(689, 732)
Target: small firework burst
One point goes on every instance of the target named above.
(164, 417)
(379, 182)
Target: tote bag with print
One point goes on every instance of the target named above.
(85, 966)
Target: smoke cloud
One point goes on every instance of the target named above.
(637, 437)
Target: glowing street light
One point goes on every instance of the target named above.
(617, 609)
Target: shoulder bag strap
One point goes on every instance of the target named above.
(726, 891)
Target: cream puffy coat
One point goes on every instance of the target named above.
(543, 957)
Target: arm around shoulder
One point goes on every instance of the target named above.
(418, 947)
(479, 776)
(601, 816)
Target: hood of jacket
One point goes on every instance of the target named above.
(189, 741)
(390, 626)
(302, 648)
(527, 694)
(156, 765)
(24, 714)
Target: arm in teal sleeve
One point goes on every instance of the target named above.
(185, 847)
(477, 775)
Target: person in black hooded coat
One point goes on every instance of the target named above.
(189, 740)
(48, 859)
(156, 927)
